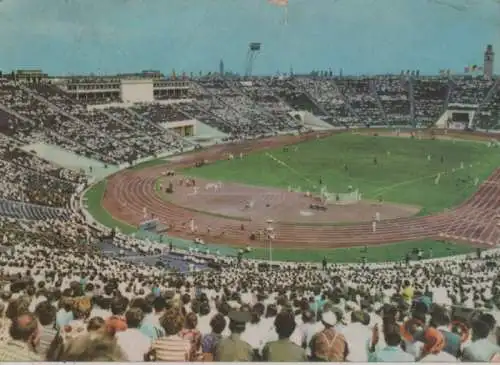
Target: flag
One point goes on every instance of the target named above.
(472, 68)
(279, 2)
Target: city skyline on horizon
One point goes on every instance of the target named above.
(117, 36)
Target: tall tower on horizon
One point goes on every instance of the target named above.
(221, 67)
(489, 59)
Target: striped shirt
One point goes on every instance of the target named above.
(17, 351)
(47, 335)
(171, 349)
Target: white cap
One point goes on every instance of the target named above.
(329, 318)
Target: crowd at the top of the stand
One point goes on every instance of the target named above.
(43, 113)
(68, 294)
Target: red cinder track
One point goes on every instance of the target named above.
(128, 192)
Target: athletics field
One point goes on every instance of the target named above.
(405, 172)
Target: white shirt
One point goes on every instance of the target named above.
(99, 312)
(357, 336)
(414, 348)
(308, 332)
(36, 301)
(204, 323)
(441, 357)
(153, 319)
(134, 344)
(253, 336)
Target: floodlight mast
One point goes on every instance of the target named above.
(253, 51)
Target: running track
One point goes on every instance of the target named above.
(129, 191)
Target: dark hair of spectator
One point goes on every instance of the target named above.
(186, 298)
(224, 308)
(218, 323)
(17, 307)
(440, 317)
(46, 313)
(392, 335)
(204, 308)
(271, 311)
(480, 329)
(119, 306)
(23, 327)
(489, 320)
(159, 304)
(141, 303)
(191, 321)
(172, 321)
(134, 317)
(195, 306)
(284, 324)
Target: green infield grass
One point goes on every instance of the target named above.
(403, 172)
(389, 252)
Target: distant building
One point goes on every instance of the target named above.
(489, 59)
(221, 67)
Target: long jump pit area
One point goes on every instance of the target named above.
(238, 215)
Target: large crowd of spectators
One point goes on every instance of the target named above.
(70, 292)
(241, 108)
(89, 306)
(43, 113)
(28, 178)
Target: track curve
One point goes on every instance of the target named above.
(129, 191)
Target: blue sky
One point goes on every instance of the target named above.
(359, 36)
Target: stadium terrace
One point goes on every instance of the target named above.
(220, 218)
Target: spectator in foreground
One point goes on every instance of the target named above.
(100, 347)
(284, 350)
(434, 345)
(481, 349)
(441, 320)
(329, 345)
(24, 337)
(191, 333)
(233, 348)
(357, 334)
(132, 341)
(64, 314)
(151, 326)
(46, 314)
(96, 325)
(78, 326)
(210, 341)
(393, 351)
(117, 322)
(171, 347)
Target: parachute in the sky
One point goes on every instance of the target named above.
(284, 5)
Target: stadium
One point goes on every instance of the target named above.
(218, 216)
(423, 205)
